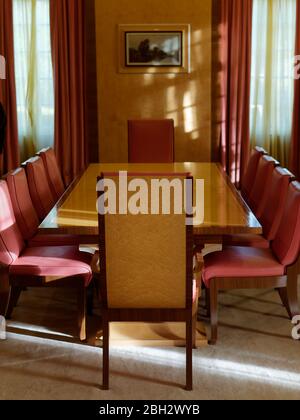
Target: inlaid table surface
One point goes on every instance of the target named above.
(225, 212)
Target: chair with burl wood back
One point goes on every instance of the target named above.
(151, 141)
(256, 268)
(53, 172)
(250, 173)
(41, 266)
(144, 277)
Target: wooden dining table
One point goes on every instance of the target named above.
(225, 211)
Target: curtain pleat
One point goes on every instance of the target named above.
(9, 159)
(272, 83)
(235, 29)
(68, 44)
(295, 144)
(33, 73)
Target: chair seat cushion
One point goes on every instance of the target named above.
(241, 262)
(256, 241)
(41, 239)
(66, 261)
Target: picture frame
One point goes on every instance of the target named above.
(154, 48)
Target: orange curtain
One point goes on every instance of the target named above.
(295, 145)
(235, 35)
(68, 52)
(9, 159)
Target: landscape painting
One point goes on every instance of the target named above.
(154, 49)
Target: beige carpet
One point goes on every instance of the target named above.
(254, 359)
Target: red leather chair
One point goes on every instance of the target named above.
(39, 188)
(258, 197)
(248, 268)
(151, 141)
(26, 216)
(53, 173)
(249, 176)
(40, 266)
(272, 212)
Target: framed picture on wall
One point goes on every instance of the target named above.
(154, 48)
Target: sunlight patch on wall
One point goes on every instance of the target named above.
(174, 116)
(190, 118)
(197, 47)
(195, 135)
(171, 96)
(148, 79)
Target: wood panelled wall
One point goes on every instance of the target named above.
(186, 98)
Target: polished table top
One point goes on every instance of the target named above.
(225, 211)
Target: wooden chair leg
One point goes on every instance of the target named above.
(105, 385)
(207, 300)
(189, 355)
(4, 293)
(82, 312)
(284, 299)
(292, 297)
(213, 293)
(15, 293)
(289, 294)
(90, 298)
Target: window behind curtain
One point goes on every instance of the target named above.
(272, 82)
(34, 75)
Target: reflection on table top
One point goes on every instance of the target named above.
(225, 212)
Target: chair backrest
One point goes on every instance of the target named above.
(286, 245)
(146, 259)
(11, 241)
(53, 172)
(151, 141)
(39, 187)
(276, 199)
(259, 196)
(250, 173)
(23, 207)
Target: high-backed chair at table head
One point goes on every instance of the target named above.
(26, 216)
(143, 275)
(271, 217)
(255, 268)
(39, 188)
(40, 266)
(151, 141)
(250, 173)
(53, 172)
(258, 197)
